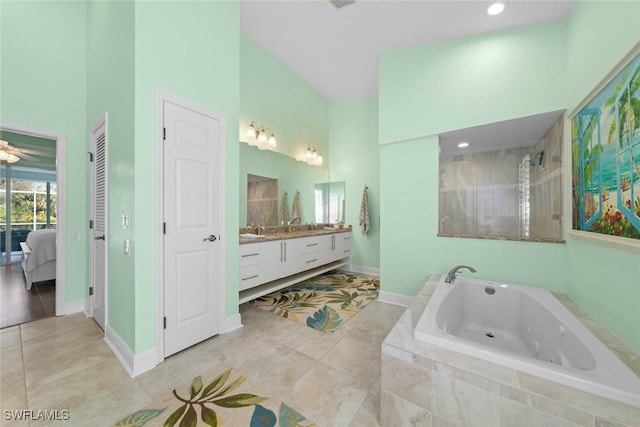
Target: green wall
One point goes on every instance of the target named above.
(434, 88)
(274, 96)
(189, 50)
(605, 280)
(43, 79)
(110, 89)
(354, 158)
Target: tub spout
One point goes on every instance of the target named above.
(451, 276)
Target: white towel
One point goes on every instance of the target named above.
(364, 213)
(284, 209)
(295, 210)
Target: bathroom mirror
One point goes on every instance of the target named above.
(291, 176)
(329, 202)
(503, 180)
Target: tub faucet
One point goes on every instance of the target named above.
(451, 275)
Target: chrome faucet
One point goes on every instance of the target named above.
(451, 275)
(259, 228)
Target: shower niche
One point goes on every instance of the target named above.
(503, 180)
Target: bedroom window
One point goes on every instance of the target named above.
(31, 200)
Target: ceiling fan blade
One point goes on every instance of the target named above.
(26, 157)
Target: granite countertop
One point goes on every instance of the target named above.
(297, 231)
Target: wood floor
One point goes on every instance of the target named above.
(17, 305)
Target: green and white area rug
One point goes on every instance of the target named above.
(223, 399)
(324, 302)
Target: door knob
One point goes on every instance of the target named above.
(211, 238)
(99, 237)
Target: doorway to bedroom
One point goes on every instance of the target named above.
(28, 220)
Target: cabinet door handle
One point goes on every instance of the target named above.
(311, 244)
(251, 277)
(312, 260)
(248, 255)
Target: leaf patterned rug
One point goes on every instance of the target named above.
(324, 302)
(216, 403)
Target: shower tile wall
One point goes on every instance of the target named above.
(546, 185)
(479, 191)
(262, 203)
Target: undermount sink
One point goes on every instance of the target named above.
(251, 236)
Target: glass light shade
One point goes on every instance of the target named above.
(272, 140)
(4, 155)
(12, 158)
(251, 131)
(262, 135)
(319, 159)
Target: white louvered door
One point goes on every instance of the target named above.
(99, 218)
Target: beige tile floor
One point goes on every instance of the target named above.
(332, 379)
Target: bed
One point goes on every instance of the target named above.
(39, 256)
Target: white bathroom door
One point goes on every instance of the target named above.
(98, 224)
(192, 197)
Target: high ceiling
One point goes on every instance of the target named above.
(337, 50)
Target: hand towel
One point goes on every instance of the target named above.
(284, 209)
(295, 210)
(364, 213)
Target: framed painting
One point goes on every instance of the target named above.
(605, 151)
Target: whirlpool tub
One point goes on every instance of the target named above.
(526, 329)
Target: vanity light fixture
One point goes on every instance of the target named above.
(463, 144)
(496, 8)
(311, 156)
(258, 137)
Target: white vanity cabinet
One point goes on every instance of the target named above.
(259, 263)
(271, 265)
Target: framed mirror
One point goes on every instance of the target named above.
(329, 198)
(503, 180)
(258, 168)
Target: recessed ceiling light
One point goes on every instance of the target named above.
(463, 144)
(496, 8)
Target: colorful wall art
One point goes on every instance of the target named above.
(605, 146)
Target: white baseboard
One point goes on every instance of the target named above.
(134, 364)
(364, 270)
(396, 299)
(72, 307)
(232, 323)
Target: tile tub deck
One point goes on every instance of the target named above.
(428, 385)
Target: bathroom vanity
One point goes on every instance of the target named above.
(274, 261)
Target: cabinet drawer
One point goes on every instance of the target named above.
(309, 246)
(250, 277)
(250, 258)
(311, 260)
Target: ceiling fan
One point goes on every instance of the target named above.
(11, 154)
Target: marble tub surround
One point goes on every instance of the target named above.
(292, 231)
(430, 385)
